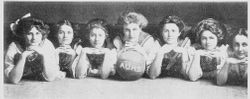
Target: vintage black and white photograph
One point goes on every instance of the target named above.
(125, 50)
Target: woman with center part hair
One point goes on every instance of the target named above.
(67, 47)
(31, 56)
(210, 51)
(133, 37)
(96, 59)
(175, 55)
(234, 70)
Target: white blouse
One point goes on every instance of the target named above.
(47, 46)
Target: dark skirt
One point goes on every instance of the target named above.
(65, 62)
(236, 77)
(208, 64)
(96, 60)
(175, 70)
(33, 66)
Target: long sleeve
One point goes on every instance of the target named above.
(51, 62)
(223, 55)
(9, 59)
(150, 46)
(109, 62)
(82, 64)
(195, 72)
(78, 50)
(187, 58)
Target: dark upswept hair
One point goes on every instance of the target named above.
(128, 17)
(75, 27)
(241, 31)
(24, 25)
(213, 26)
(96, 23)
(63, 22)
(172, 19)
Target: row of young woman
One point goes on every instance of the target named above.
(32, 56)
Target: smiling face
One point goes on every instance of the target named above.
(208, 40)
(240, 46)
(131, 32)
(33, 37)
(170, 33)
(97, 37)
(65, 35)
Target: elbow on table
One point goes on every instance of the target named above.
(14, 81)
(153, 77)
(50, 79)
(53, 77)
(220, 81)
(194, 77)
(153, 74)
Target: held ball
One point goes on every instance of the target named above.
(131, 65)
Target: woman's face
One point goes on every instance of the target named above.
(97, 37)
(131, 32)
(33, 37)
(65, 35)
(240, 46)
(208, 40)
(170, 33)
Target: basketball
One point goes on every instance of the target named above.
(131, 65)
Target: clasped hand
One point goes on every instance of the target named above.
(167, 48)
